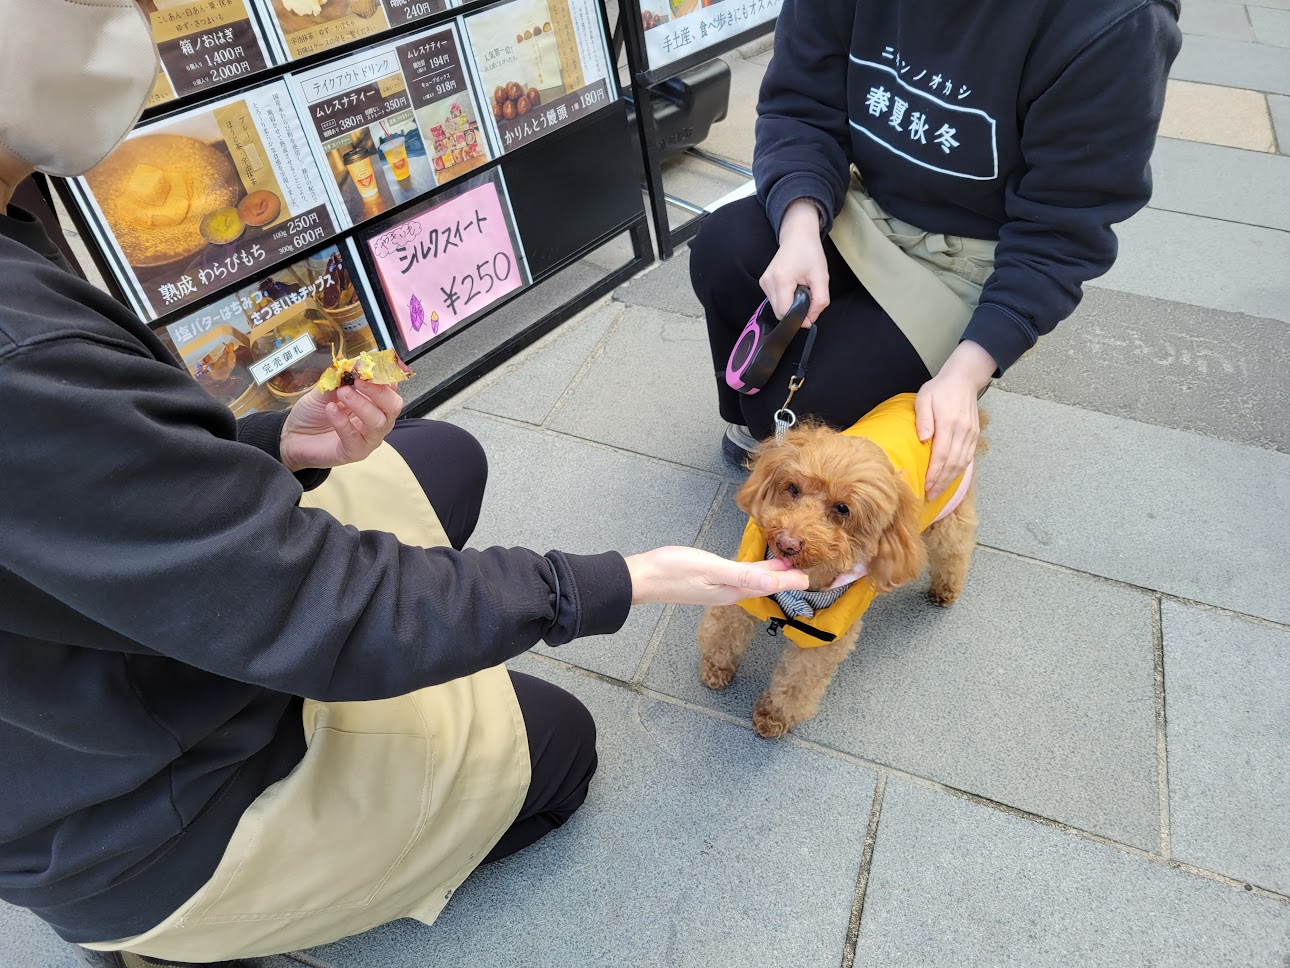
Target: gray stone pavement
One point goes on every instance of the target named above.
(1083, 762)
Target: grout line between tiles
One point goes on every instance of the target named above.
(595, 354)
(1162, 754)
(934, 786)
(1259, 620)
(862, 881)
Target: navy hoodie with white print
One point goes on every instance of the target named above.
(1026, 121)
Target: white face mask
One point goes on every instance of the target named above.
(74, 77)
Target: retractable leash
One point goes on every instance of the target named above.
(763, 342)
(784, 417)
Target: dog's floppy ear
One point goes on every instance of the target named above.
(899, 557)
(763, 478)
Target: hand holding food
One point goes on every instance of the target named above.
(355, 408)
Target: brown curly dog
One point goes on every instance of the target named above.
(827, 502)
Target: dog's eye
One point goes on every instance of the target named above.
(792, 490)
(841, 510)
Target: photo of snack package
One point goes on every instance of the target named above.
(262, 347)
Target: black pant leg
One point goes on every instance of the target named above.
(727, 257)
(562, 751)
(452, 469)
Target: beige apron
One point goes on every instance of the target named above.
(394, 804)
(928, 283)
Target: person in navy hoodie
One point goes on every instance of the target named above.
(995, 142)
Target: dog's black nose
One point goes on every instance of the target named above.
(787, 546)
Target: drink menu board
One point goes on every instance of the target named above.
(444, 265)
(676, 29)
(542, 64)
(205, 198)
(305, 27)
(263, 347)
(392, 123)
(203, 44)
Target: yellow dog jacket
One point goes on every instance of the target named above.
(891, 425)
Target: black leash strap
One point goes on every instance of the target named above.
(778, 623)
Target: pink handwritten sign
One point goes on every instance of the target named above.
(447, 264)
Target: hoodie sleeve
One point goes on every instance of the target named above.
(124, 499)
(803, 135)
(1086, 144)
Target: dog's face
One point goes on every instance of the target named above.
(828, 502)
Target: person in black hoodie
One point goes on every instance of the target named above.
(1016, 131)
(189, 643)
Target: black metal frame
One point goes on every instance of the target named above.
(631, 33)
(636, 227)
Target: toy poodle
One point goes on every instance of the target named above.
(848, 509)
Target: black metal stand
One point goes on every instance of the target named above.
(678, 90)
(564, 213)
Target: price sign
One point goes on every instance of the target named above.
(449, 263)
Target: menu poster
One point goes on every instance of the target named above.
(263, 347)
(210, 196)
(676, 29)
(203, 44)
(543, 62)
(392, 123)
(445, 265)
(306, 27)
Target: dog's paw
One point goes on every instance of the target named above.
(943, 596)
(768, 720)
(715, 676)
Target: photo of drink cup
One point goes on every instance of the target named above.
(358, 163)
(396, 156)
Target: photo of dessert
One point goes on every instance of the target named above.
(206, 198)
(310, 26)
(176, 193)
(542, 65)
(266, 345)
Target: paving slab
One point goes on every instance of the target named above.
(456, 354)
(1165, 363)
(1215, 18)
(1036, 690)
(529, 388)
(1270, 26)
(658, 364)
(1279, 105)
(548, 492)
(27, 942)
(696, 182)
(1216, 115)
(954, 883)
(666, 287)
(1222, 183)
(1234, 63)
(1194, 517)
(1275, 4)
(1203, 261)
(1227, 700)
(699, 845)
